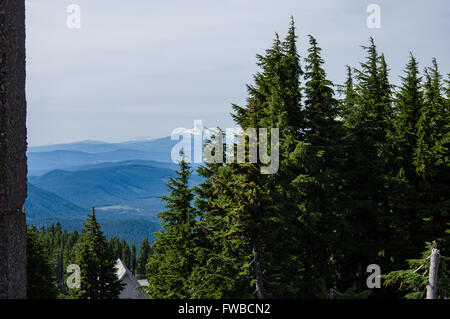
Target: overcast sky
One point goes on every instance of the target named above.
(140, 68)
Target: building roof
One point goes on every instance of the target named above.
(122, 270)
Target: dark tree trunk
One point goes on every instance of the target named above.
(13, 163)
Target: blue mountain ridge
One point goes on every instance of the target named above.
(124, 181)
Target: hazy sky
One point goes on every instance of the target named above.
(140, 68)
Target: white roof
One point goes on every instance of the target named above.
(126, 276)
(122, 270)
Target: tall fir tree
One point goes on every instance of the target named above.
(172, 259)
(41, 279)
(133, 259)
(274, 102)
(144, 253)
(220, 271)
(319, 159)
(97, 264)
(366, 213)
(421, 122)
(125, 255)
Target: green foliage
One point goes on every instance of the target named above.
(218, 265)
(318, 160)
(144, 252)
(362, 180)
(58, 246)
(414, 280)
(353, 293)
(97, 264)
(170, 264)
(41, 280)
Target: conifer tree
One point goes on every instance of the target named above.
(243, 195)
(348, 91)
(115, 247)
(133, 259)
(125, 253)
(219, 255)
(274, 102)
(410, 123)
(421, 199)
(97, 264)
(367, 119)
(291, 88)
(319, 159)
(144, 253)
(171, 262)
(414, 280)
(411, 115)
(243, 192)
(41, 281)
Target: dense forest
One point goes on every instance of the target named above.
(50, 250)
(364, 178)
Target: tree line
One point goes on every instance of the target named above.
(364, 179)
(50, 250)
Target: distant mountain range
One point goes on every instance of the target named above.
(42, 204)
(42, 159)
(122, 180)
(147, 145)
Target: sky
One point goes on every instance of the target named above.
(141, 68)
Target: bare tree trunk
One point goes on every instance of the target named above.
(13, 144)
(433, 274)
(258, 271)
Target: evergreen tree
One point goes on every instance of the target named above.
(319, 160)
(97, 264)
(241, 192)
(125, 254)
(414, 280)
(115, 247)
(421, 196)
(133, 259)
(365, 210)
(249, 198)
(411, 113)
(219, 255)
(347, 104)
(144, 253)
(41, 281)
(285, 97)
(410, 122)
(171, 262)
(59, 248)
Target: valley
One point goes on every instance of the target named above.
(124, 181)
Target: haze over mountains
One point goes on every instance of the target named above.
(42, 159)
(122, 180)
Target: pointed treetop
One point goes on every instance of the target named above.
(92, 226)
